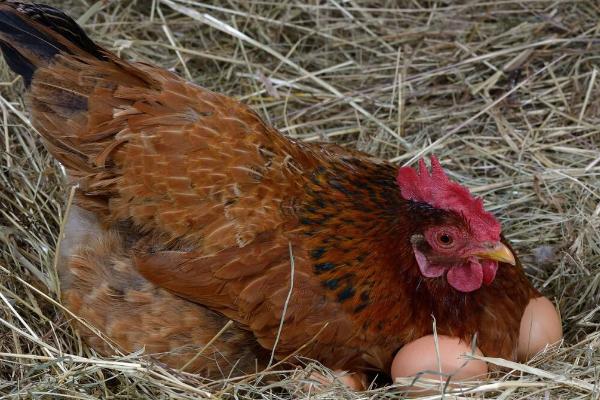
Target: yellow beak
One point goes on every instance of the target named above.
(497, 253)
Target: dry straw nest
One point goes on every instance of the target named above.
(504, 92)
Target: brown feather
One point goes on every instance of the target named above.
(100, 285)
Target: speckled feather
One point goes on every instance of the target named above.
(214, 199)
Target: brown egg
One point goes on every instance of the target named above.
(540, 326)
(420, 355)
(353, 380)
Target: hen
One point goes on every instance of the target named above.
(215, 206)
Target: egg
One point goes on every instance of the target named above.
(353, 380)
(540, 326)
(356, 380)
(420, 355)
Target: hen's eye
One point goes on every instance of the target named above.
(445, 239)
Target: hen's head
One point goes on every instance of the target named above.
(455, 234)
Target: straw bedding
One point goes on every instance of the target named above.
(503, 92)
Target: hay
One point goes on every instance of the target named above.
(503, 92)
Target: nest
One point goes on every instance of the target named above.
(504, 93)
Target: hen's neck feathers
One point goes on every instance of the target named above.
(358, 230)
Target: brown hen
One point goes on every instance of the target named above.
(215, 206)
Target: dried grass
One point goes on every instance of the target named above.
(503, 92)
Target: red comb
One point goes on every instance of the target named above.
(437, 190)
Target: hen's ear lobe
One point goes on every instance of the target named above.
(417, 239)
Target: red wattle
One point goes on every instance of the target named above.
(489, 270)
(467, 277)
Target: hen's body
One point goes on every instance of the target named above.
(220, 209)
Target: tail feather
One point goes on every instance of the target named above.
(61, 23)
(75, 90)
(17, 63)
(31, 35)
